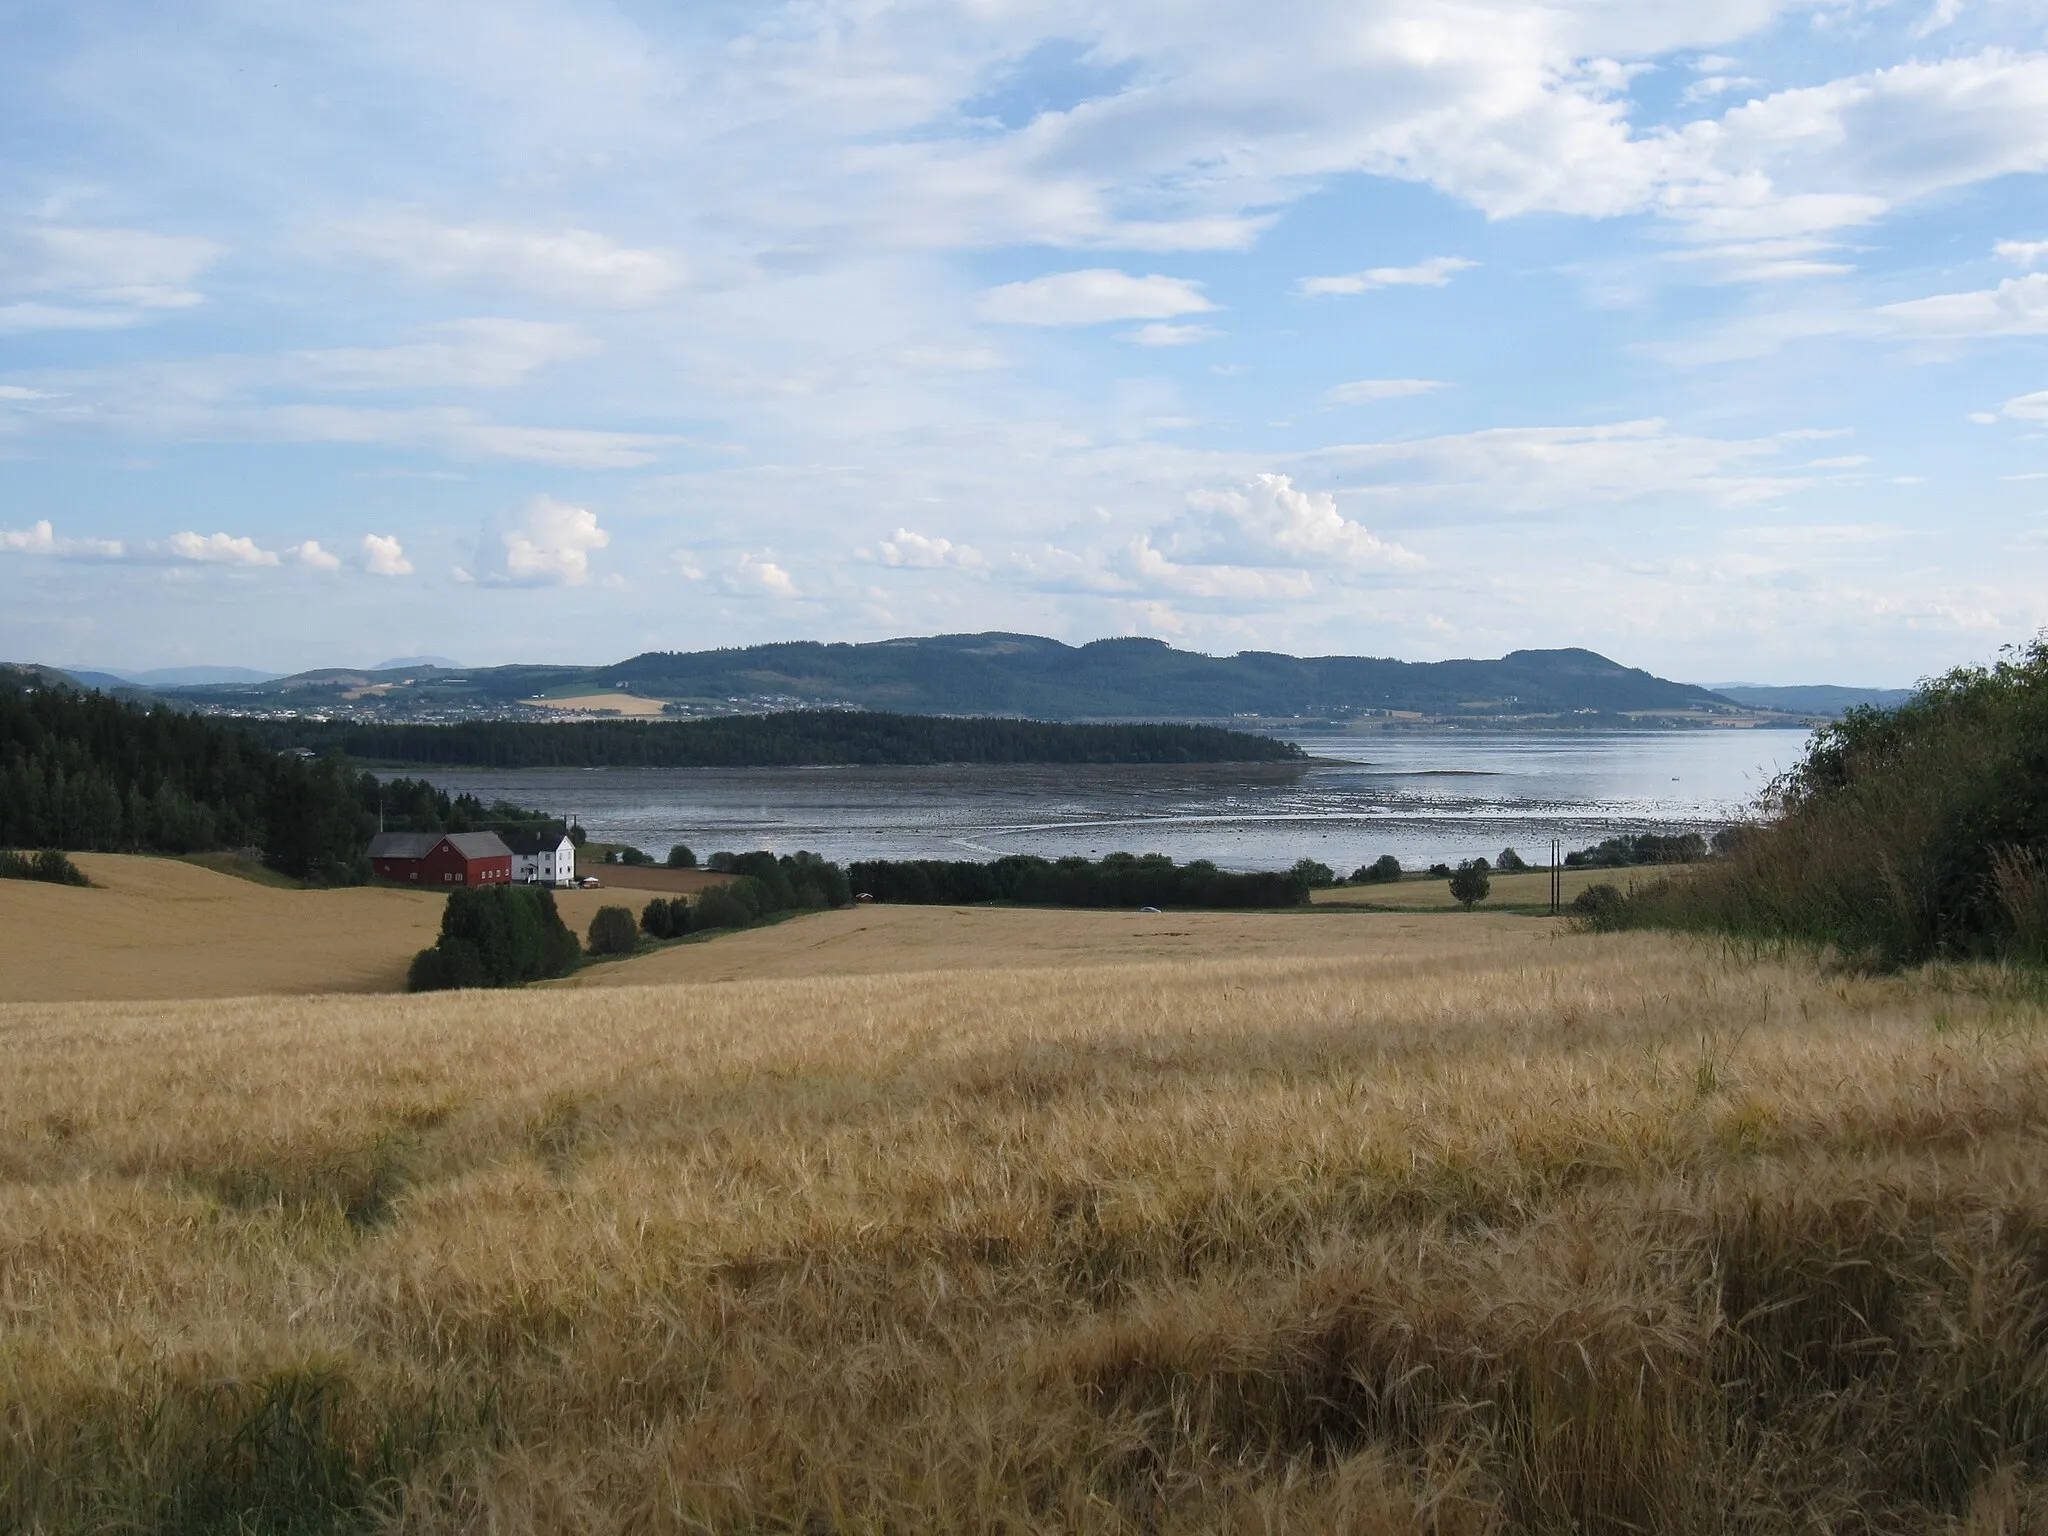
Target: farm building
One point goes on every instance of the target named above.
(542, 858)
(442, 858)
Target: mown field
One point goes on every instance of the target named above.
(1488, 1231)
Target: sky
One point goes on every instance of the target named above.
(1708, 334)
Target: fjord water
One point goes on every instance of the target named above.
(1422, 797)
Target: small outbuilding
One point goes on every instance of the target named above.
(442, 858)
(542, 858)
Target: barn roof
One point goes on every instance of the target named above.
(417, 845)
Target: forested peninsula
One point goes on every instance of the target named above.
(798, 738)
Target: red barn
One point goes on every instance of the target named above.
(442, 858)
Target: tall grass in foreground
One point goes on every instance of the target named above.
(1905, 836)
(1625, 1238)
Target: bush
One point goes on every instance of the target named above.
(1598, 906)
(655, 921)
(720, 908)
(1439, 871)
(1904, 836)
(1510, 862)
(513, 933)
(680, 857)
(613, 932)
(51, 865)
(1637, 848)
(1470, 883)
(451, 963)
(1381, 871)
(1316, 876)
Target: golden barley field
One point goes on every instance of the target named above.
(1502, 1230)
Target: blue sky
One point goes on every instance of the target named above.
(1712, 336)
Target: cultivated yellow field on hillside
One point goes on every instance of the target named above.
(161, 928)
(1509, 1232)
(880, 940)
(1529, 889)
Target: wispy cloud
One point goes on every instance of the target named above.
(1433, 273)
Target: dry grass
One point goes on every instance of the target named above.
(1492, 1233)
(605, 704)
(166, 928)
(885, 940)
(1530, 890)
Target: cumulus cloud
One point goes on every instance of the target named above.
(916, 551)
(1433, 273)
(548, 543)
(311, 554)
(2022, 253)
(218, 549)
(1092, 297)
(383, 555)
(578, 266)
(40, 538)
(1365, 391)
(1269, 522)
(2032, 407)
(759, 576)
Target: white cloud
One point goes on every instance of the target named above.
(383, 555)
(2032, 407)
(133, 268)
(1151, 569)
(1268, 522)
(218, 549)
(1091, 297)
(40, 538)
(578, 266)
(1161, 335)
(475, 354)
(548, 544)
(919, 552)
(2022, 253)
(311, 554)
(2018, 306)
(1365, 391)
(60, 317)
(1433, 273)
(759, 576)
(23, 392)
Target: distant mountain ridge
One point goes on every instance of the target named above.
(1813, 698)
(997, 674)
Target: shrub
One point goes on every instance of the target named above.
(497, 936)
(1637, 848)
(1313, 874)
(679, 921)
(720, 908)
(1598, 906)
(655, 921)
(1510, 862)
(680, 857)
(1439, 871)
(1904, 836)
(51, 865)
(1470, 883)
(613, 932)
(1381, 871)
(1117, 880)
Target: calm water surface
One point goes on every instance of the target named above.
(1420, 797)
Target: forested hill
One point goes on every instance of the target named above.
(1027, 675)
(795, 739)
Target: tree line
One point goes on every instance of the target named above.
(85, 771)
(1115, 880)
(798, 738)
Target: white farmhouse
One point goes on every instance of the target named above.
(541, 858)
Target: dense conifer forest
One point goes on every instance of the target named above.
(83, 771)
(799, 738)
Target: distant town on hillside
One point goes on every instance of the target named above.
(1005, 674)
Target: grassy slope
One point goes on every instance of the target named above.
(1490, 1231)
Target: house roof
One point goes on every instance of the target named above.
(417, 845)
(530, 843)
